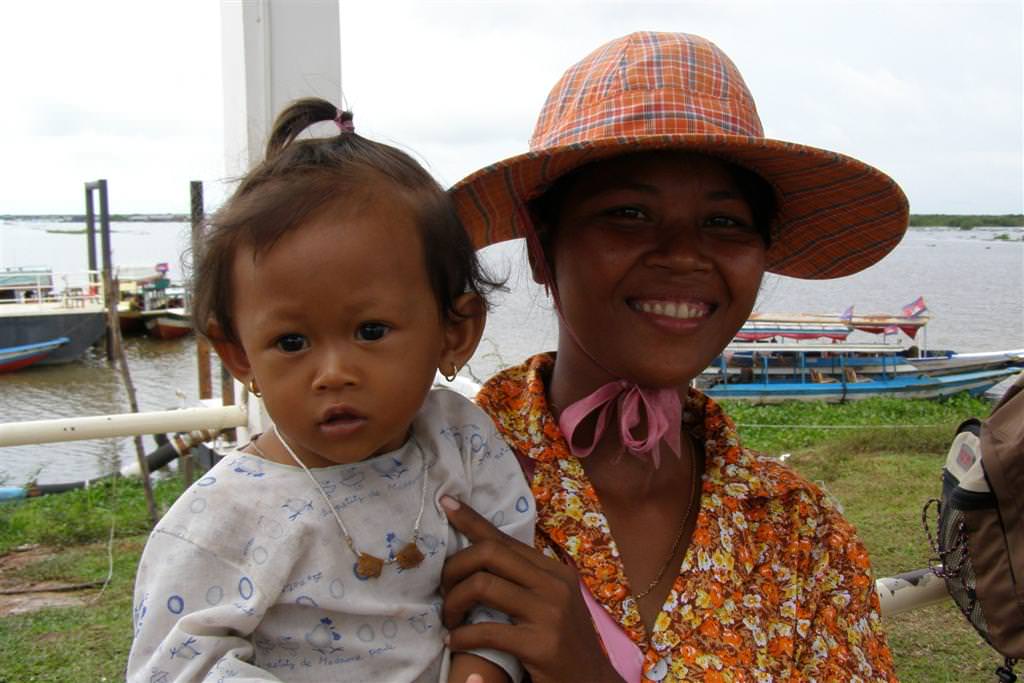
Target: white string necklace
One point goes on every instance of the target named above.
(370, 566)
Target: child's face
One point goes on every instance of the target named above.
(657, 263)
(341, 329)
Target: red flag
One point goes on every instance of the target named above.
(915, 307)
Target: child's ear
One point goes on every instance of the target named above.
(462, 333)
(231, 353)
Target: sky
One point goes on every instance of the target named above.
(930, 92)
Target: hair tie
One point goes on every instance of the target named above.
(344, 120)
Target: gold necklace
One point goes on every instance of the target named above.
(682, 527)
(369, 566)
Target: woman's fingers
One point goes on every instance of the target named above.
(491, 590)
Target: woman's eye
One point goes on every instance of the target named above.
(291, 343)
(628, 212)
(730, 224)
(371, 331)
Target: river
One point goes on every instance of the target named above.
(972, 282)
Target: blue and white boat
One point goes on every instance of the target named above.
(809, 358)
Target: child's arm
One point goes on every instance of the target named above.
(464, 664)
(499, 491)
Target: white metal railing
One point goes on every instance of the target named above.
(216, 418)
(75, 290)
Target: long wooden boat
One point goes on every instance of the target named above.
(812, 357)
(17, 357)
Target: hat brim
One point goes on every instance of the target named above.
(836, 215)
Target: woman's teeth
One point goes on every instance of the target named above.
(671, 309)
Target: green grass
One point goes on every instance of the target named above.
(83, 643)
(882, 478)
(84, 515)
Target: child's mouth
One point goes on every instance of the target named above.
(341, 420)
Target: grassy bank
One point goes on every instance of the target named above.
(966, 222)
(881, 475)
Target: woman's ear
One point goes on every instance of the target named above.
(231, 353)
(541, 268)
(462, 332)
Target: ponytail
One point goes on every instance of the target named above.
(300, 115)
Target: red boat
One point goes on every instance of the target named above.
(16, 357)
(170, 323)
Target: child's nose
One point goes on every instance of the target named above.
(337, 368)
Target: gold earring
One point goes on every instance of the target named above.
(451, 377)
(253, 389)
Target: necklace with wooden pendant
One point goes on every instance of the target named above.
(370, 566)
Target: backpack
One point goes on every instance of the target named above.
(980, 539)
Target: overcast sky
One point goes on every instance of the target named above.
(930, 92)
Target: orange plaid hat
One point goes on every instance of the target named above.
(649, 91)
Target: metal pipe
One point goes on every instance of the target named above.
(126, 424)
(909, 591)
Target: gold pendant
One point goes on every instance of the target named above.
(410, 556)
(368, 566)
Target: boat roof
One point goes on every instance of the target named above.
(871, 320)
(804, 347)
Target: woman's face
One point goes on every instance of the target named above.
(657, 264)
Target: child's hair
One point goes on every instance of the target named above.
(299, 178)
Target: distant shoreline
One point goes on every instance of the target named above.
(917, 220)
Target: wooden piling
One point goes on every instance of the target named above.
(115, 347)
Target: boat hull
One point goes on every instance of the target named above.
(919, 386)
(168, 326)
(83, 327)
(18, 357)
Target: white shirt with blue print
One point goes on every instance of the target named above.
(248, 577)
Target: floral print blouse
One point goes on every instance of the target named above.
(775, 585)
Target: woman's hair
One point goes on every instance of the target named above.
(299, 178)
(755, 190)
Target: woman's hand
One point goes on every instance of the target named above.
(553, 635)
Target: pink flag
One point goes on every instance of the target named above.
(915, 307)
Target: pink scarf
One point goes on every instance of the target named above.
(660, 408)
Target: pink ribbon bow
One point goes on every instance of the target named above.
(660, 408)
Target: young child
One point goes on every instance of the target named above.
(334, 283)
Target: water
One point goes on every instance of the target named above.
(972, 282)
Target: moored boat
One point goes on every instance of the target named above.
(17, 357)
(34, 310)
(170, 323)
(816, 357)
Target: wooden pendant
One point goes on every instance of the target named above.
(368, 566)
(410, 556)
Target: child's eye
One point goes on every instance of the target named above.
(371, 331)
(291, 343)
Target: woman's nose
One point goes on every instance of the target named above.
(679, 247)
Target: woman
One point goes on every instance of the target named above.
(652, 205)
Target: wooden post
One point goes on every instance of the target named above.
(202, 346)
(101, 186)
(227, 392)
(90, 236)
(115, 349)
